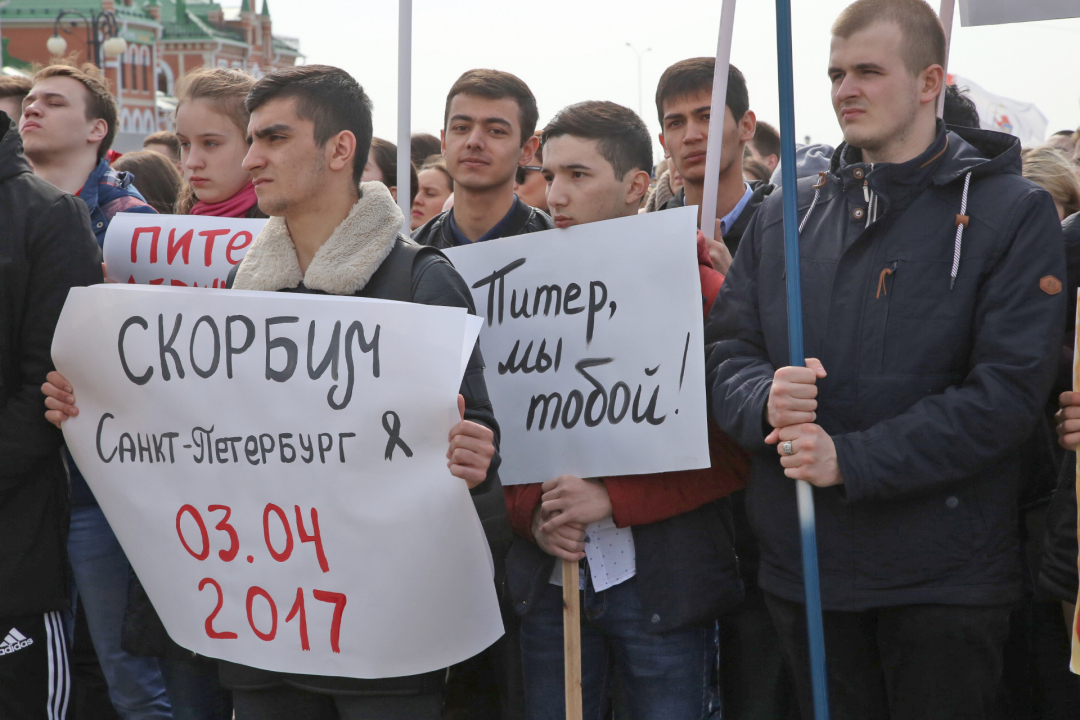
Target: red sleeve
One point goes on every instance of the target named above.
(521, 502)
(645, 499)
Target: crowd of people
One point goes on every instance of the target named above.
(939, 435)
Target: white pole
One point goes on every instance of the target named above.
(946, 16)
(404, 110)
(716, 120)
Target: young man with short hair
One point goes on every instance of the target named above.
(757, 682)
(13, 88)
(684, 106)
(931, 288)
(68, 123)
(487, 135)
(46, 248)
(660, 566)
(164, 143)
(328, 233)
(765, 146)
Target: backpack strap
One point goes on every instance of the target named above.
(394, 278)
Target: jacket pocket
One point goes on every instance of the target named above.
(928, 326)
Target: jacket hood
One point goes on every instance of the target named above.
(980, 152)
(345, 262)
(12, 160)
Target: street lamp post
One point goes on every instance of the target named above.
(102, 35)
(640, 54)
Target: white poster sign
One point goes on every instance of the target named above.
(176, 250)
(999, 12)
(1002, 114)
(274, 467)
(593, 342)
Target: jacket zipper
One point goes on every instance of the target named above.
(890, 270)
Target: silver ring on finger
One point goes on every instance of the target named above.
(785, 447)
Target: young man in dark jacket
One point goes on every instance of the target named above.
(756, 680)
(68, 124)
(46, 248)
(931, 288)
(684, 107)
(487, 135)
(331, 234)
(659, 566)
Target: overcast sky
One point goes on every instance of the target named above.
(573, 50)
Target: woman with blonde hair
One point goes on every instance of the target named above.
(1049, 168)
(211, 123)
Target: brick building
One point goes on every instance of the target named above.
(166, 39)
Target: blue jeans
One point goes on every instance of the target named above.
(195, 691)
(100, 570)
(662, 676)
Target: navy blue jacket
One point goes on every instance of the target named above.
(932, 389)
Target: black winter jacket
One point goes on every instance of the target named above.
(733, 236)
(931, 388)
(438, 234)
(426, 277)
(46, 248)
(1057, 569)
(686, 569)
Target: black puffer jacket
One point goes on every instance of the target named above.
(931, 387)
(1057, 569)
(46, 248)
(437, 233)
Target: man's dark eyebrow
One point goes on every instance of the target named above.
(858, 66)
(483, 121)
(459, 117)
(274, 129)
(45, 95)
(576, 166)
(673, 116)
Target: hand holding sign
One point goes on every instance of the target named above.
(247, 478)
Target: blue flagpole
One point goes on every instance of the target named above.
(804, 491)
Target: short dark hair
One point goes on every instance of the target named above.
(496, 85)
(166, 138)
(959, 109)
(384, 153)
(1059, 133)
(423, 146)
(100, 104)
(620, 135)
(153, 176)
(327, 96)
(14, 86)
(695, 75)
(766, 140)
(924, 38)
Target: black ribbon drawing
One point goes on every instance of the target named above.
(394, 431)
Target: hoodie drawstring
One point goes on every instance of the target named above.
(817, 192)
(961, 222)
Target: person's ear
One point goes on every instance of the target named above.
(98, 130)
(667, 153)
(442, 142)
(747, 126)
(639, 186)
(340, 150)
(931, 84)
(528, 151)
(393, 192)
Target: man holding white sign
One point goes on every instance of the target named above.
(328, 236)
(658, 560)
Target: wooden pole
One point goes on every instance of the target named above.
(572, 638)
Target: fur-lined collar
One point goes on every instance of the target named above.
(345, 262)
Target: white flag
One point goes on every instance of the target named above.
(1000, 12)
(1014, 117)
